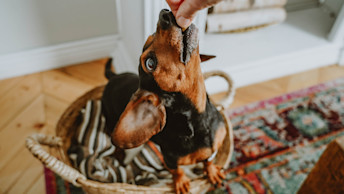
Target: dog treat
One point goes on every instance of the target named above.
(239, 20)
(238, 5)
(183, 29)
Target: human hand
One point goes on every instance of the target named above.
(185, 10)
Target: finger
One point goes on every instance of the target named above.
(186, 13)
(188, 9)
(222, 175)
(187, 187)
(212, 180)
(174, 5)
(182, 188)
(220, 172)
(218, 179)
(177, 189)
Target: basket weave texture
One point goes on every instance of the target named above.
(64, 131)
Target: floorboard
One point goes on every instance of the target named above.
(38, 187)
(18, 97)
(12, 137)
(54, 108)
(10, 177)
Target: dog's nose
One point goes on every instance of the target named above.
(166, 19)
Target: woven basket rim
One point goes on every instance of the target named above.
(66, 121)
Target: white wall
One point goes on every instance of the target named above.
(139, 20)
(29, 24)
(334, 5)
(132, 35)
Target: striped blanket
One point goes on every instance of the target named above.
(93, 154)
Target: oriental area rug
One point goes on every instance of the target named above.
(277, 141)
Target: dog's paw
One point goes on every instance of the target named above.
(214, 173)
(181, 183)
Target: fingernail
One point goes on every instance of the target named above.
(183, 22)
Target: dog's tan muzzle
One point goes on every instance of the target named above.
(188, 37)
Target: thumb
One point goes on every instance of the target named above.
(188, 9)
(186, 13)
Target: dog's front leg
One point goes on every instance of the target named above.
(214, 172)
(180, 180)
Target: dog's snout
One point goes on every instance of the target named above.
(166, 19)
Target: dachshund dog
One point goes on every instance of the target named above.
(167, 103)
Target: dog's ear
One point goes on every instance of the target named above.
(206, 57)
(143, 117)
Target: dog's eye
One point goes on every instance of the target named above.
(150, 64)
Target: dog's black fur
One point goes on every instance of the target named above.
(117, 94)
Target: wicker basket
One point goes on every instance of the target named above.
(62, 141)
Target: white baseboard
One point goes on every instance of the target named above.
(56, 56)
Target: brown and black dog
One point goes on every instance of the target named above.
(167, 103)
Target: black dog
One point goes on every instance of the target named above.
(166, 103)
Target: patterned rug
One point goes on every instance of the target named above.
(277, 141)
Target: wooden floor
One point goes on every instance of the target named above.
(33, 103)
